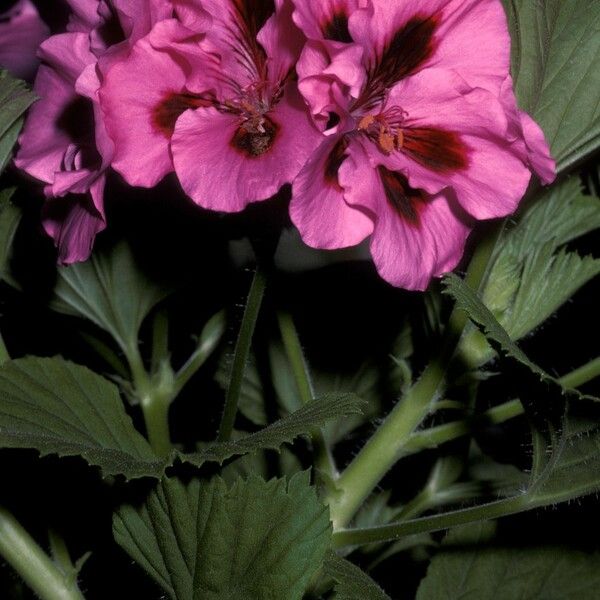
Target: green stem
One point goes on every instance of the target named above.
(388, 533)
(35, 567)
(242, 352)
(582, 375)
(155, 402)
(436, 436)
(385, 447)
(293, 348)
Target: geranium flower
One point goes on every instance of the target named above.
(64, 142)
(21, 33)
(422, 135)
(222, 110)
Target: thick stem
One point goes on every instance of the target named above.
(242, 352)
(35, 567)
(385, 447)
(293, 348)
(155, 403)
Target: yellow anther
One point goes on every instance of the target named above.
(366, 122)
(399, 139)
(386, 140)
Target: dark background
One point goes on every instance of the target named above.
(344, 313)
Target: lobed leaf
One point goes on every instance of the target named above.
(110, 290)
(15, 99)
(352, 583)
(467, 570)
(556, 69)
(286, 430)
(56, 407)
(205, 541)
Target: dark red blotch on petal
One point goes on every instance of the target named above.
(334, 161)
(336, 28)
(405, 200)
(408, 49)
(171, 107)
(253, 141)
(438, 150)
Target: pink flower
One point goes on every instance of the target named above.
(221, 109)
(422, 134)
(64, 142)
(21, 33)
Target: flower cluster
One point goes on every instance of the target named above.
(391, 119)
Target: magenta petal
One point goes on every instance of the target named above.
(318, 208)
(21, 33)
(281, 40)
(142, 97)
(223, 167)
(416, 236)
(73, 222)
(457, 138)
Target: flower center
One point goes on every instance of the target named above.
(256, 133)
(384, 129)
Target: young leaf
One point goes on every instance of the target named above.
(206, 541)
(111, 291)
(57, 407)
(556, 68)
(471, 572)
(468, 301)
(352, 582)
(15, 99)
(300, 422)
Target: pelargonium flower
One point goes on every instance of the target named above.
(222, 110)
(64, 142)
(421, 132)
(21, 33)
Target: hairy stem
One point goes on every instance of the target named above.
(242, 352)
(293, 348)
(155, 402)
(385, 447)
(388, 533)
(35, 567)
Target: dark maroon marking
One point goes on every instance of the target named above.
(407, 51)
(255, 13)
(438, 150)
(336, 29)
(334, 161)
(407, 201)
(171, 107)
(252, 142)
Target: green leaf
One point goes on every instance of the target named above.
(556, 68)
(57, 407)
(472, 572)
(15, 99)
(468, 301)
(573, 468)
(532, 276)
(10, 217)
(352, 582)
(286, 430)
(205, 541)
(111, 291)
